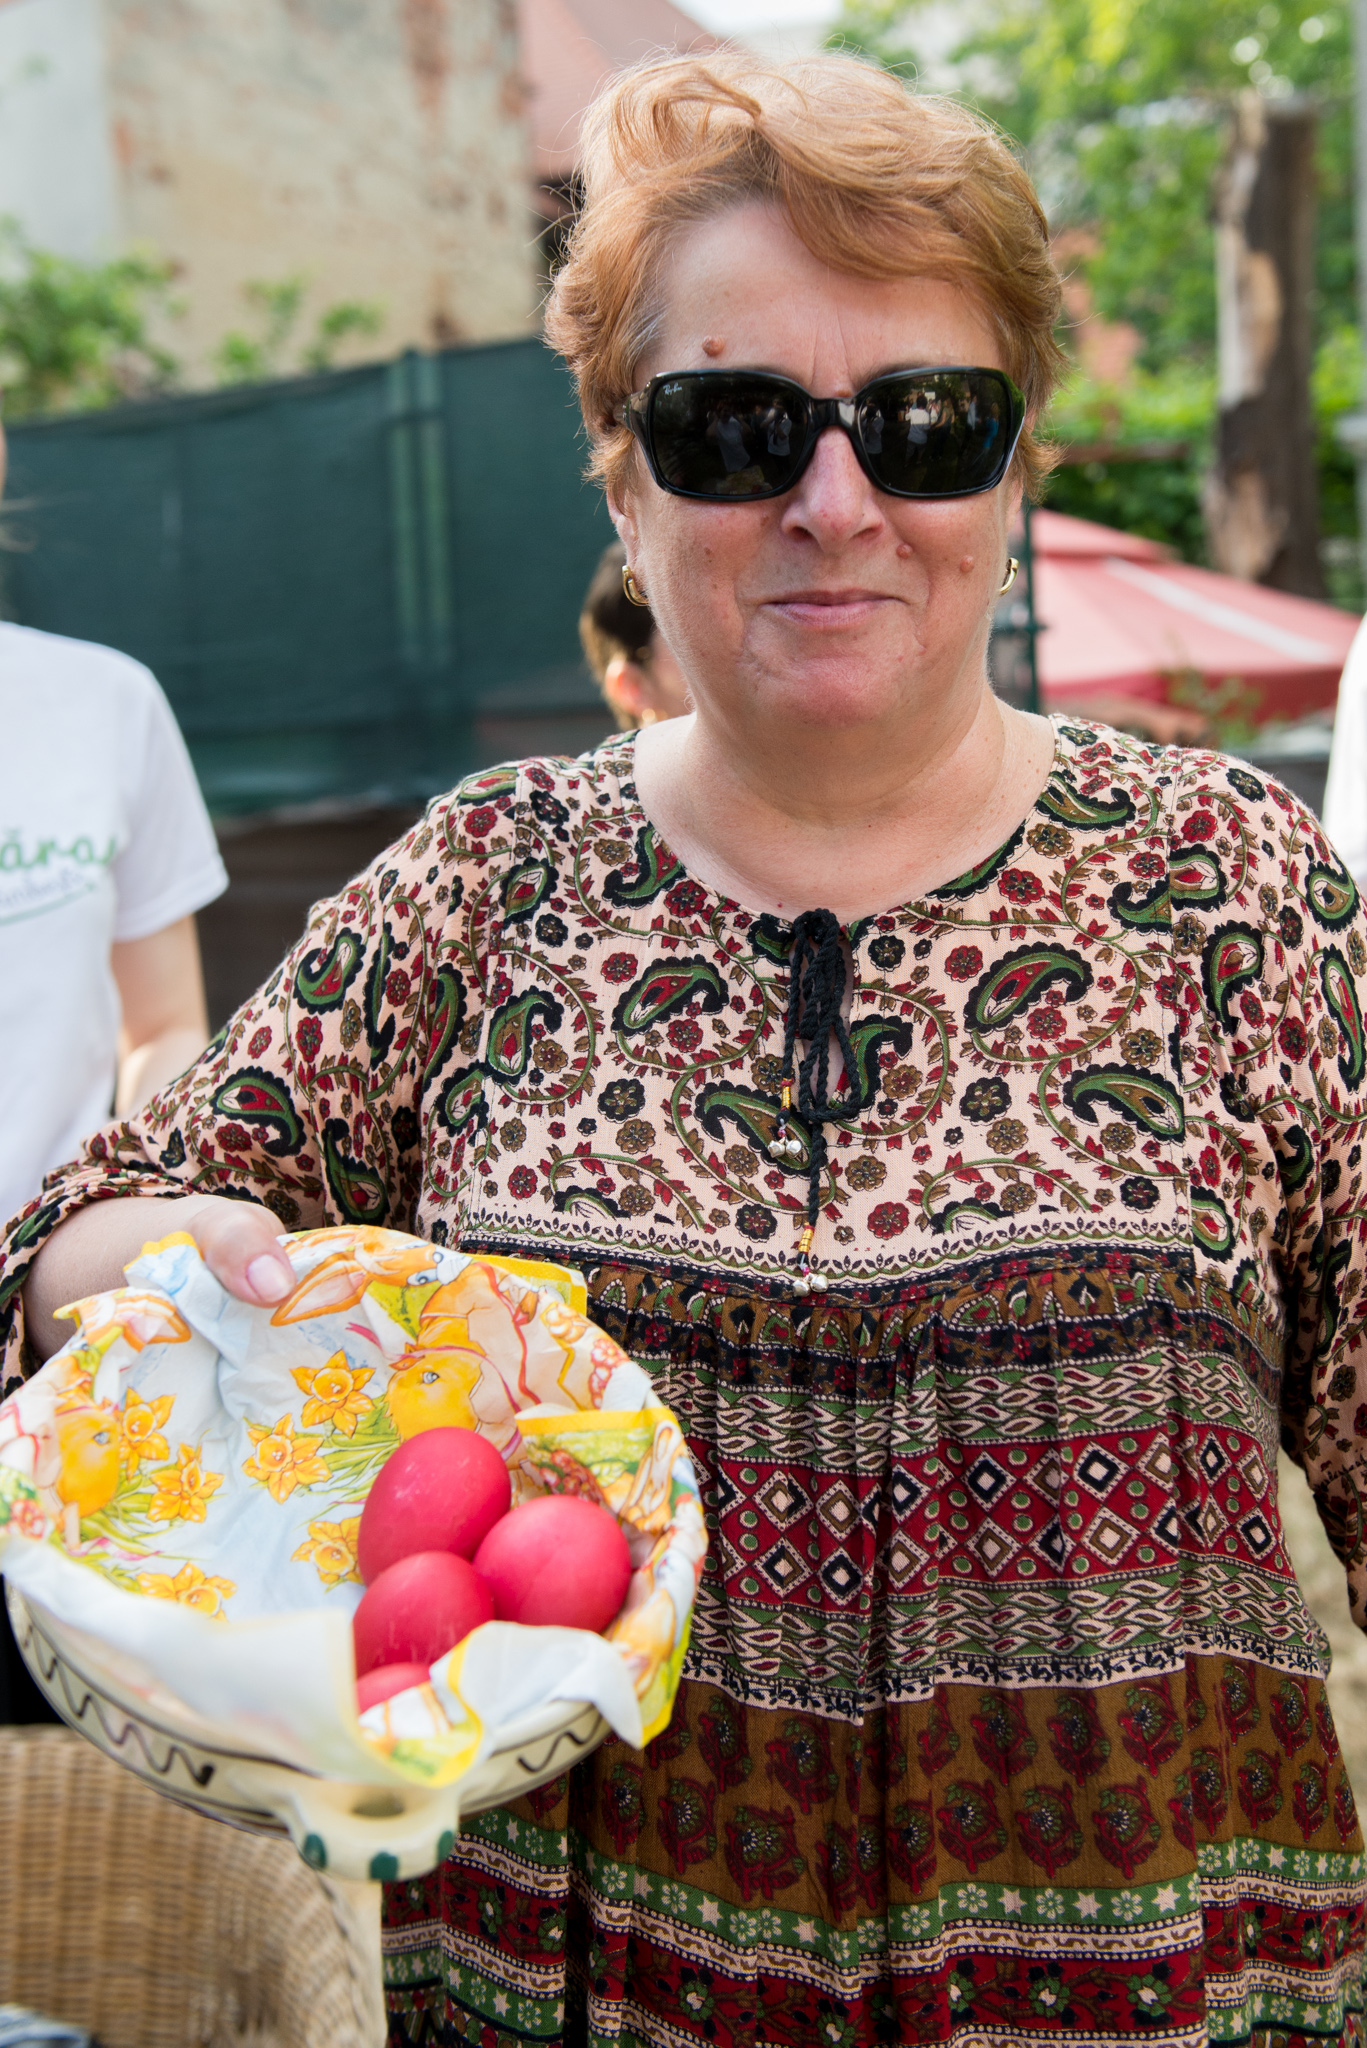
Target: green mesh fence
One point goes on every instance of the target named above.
(354, 585)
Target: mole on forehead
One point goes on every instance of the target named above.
(712, 345)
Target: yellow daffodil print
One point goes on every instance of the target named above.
(331, 1549)
(334, 1392)
(142, 1423)
(191, 1587)
(183, 1490)
(281, 1460)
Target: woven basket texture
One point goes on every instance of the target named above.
(155, 1928)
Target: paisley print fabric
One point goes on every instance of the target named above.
(1003, 1717)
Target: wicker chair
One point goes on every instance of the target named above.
(126, 1914)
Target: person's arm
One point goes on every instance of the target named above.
(165, 1023)
(1345, 789)
(88, 1253)
(323, 1101)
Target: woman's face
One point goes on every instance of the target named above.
(836, 606)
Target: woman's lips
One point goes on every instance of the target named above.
(830, 609)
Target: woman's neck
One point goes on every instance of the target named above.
(839, 822)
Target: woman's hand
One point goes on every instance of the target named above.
(239, 1241)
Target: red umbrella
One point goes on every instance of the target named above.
(1120, 617)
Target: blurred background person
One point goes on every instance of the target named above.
(106, 853)
(639, 677)
(1345, 789)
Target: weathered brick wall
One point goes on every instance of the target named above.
(378, 145)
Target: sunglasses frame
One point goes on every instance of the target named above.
(636, 412)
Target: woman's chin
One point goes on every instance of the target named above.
(837, 699)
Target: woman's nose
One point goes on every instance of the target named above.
(833, 500)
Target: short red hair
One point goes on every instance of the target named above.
(877, 181)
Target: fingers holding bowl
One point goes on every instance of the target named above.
(240, 1243)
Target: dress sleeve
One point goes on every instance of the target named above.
(346, 1084)
(1282, 965)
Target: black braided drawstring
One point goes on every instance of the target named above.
(816, 999)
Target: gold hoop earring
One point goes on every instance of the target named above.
(634, 592)
(1012, 571)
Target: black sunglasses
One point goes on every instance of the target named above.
(743, 434)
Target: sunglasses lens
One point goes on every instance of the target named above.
(938, 433)
(728, 437)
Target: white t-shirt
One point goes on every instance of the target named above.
(1345, 789)
(103, 836)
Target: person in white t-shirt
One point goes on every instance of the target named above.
(106, 853)
(1345, 789)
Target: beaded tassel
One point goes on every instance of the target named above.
(781, 1145)
(808, 1282)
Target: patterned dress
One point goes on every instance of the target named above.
(1003, 1719)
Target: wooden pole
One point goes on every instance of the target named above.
(1262, 499)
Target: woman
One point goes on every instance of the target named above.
(982, 1255)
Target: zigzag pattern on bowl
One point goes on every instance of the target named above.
(155, 1754)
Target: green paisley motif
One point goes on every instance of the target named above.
(655, 869)
(448, 1014)
(567, 1199)
(666, 987)
(1020, 979)
(508, 1053)
(970, 1211)
(1197, 878)
(1296, 1169)
(322, 978)
(1341, 996)
(1331, 1298)
(359, 1192)
(486, 788)
(1332, 896)
(1084, 813)
(1145, 1100)
(254, 1096)
(773, 938)
(1211, 1223)
(753, 1115)
(867, 1040)
(1231, 958)
(974, 879)
(31, 1231)
(462, 1100)
(1244, 1285)
(526, 889)
(380, 1028)
(1151, 911)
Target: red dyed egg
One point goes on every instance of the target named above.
(385, 1681)
(441, 1490)
(417, 1610)
(558, 1561)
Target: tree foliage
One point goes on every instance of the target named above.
(1120, 108)
(79, 335)
(75, 335)
(245, 358)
